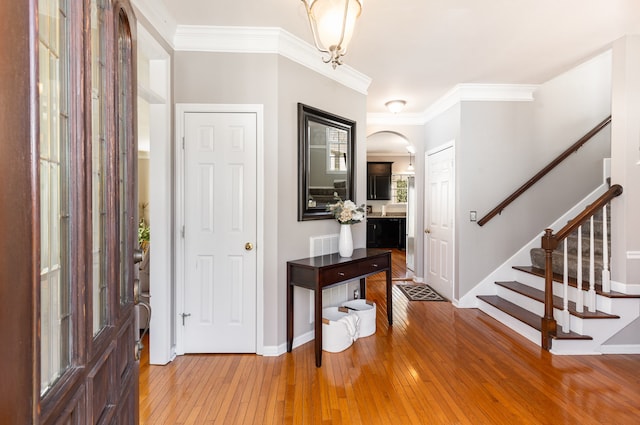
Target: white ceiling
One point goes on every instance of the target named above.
(418, 50)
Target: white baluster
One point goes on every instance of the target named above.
(591, 303)
(566, 319)
(606, 273)
(580, 295)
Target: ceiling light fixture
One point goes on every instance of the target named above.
(395, 106)
(332, 23)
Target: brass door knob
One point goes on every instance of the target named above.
(427, 231)
(248, 246)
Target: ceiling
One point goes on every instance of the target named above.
(417, 50)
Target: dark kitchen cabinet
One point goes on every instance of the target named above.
(386, 232)
(379, 180)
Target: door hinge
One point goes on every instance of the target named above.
(182, 142)
(182, 232)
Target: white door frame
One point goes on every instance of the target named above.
(454, 281)
(157, 91)
(181, 110)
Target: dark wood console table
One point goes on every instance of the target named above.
(318, 273)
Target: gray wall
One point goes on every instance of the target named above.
(501, 145)
(279, 84)
(299, 84)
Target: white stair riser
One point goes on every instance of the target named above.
(522, 328)
(521, 300)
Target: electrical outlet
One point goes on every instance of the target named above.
(473, 216)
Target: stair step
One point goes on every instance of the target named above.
(538, 260)
(525, 316)
(538, 295)
(572, 282)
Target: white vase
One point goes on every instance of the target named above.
(345, 242)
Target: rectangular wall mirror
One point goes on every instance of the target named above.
(326, 146)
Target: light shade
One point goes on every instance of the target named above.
(395, 106)
(332, 23)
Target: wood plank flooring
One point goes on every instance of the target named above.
(436, 365)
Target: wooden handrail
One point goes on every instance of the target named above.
(553, 164)
(604, 199)
(550, 242)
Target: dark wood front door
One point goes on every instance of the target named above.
(68, 213)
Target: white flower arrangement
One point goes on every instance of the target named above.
(347, 212)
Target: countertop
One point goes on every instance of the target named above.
(389, 215)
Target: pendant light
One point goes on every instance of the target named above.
(332, 23)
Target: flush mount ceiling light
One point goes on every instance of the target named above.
(332, 23)
(395, 106)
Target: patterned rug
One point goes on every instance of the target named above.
(420, 293)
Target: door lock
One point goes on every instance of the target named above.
(136, 291)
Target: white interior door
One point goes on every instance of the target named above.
(219, 314)
(439, 208)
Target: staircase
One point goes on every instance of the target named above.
(518, 301)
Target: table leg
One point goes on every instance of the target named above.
(389, 297)
(289, 311)
(318, 326)
(363, 288)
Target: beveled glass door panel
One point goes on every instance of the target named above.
(98, 167)
(125, 148)
(55, 207)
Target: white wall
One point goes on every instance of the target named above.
(415, 134)
(625, 161)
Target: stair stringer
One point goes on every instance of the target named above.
(505, 271)
(601, 330)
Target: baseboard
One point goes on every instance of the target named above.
(620, 349)
(278, 350)
(626, 288)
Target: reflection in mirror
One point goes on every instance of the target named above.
(325, 173)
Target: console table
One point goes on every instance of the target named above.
(318, 273)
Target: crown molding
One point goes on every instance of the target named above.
(197, 38)
(158, 16)
(460, 93)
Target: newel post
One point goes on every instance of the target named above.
(549, 325)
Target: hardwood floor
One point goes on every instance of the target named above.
(436, 365)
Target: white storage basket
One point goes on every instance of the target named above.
(336, 335)
(366, 310)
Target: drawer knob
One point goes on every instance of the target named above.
(341, 273)
(375, 265)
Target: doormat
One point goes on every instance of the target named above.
(420, 293)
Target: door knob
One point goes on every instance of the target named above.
(427, 231)
(248, 246)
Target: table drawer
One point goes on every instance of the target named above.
(374, 265)
(339, 274)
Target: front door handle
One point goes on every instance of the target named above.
(138, 255)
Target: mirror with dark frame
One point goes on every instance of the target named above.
(326, 146)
